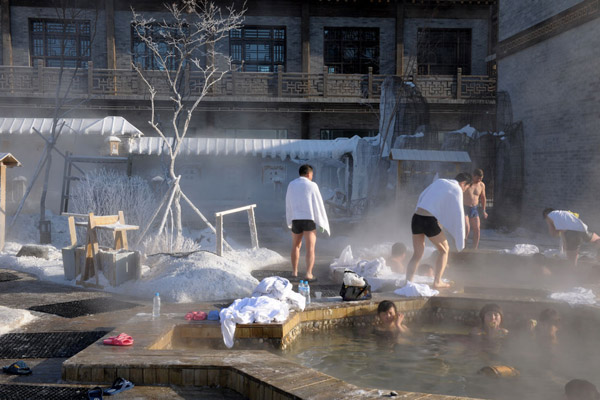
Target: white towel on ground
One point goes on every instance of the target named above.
(281, 289)
(577, 295)
(567, 221)
(444, 200)
(303, 201)
(412, 289)
(261, 309)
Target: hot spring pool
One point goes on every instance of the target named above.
(448, 363)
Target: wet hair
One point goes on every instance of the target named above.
(547, 211)
(305, 169)
(550, 316)
(478, 172)
(580, 389)
(491, 307)
(385, 306)
(464, 177)
(398, 249)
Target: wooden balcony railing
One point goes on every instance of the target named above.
(126, 84)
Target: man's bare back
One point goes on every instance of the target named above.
(472, 194)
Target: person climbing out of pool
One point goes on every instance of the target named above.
(572, 231)
(580, 389)
(545, 329)
(491, 318)
(397, 258)
(390, 319)
(473, 199)
(440, 203)
(304, 211)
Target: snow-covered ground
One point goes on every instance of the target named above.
(12, 318)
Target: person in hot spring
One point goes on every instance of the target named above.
(580, 389)
(545, 329)
(397, 260)
(491, 317)
(390, 319)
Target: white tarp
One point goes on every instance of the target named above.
(111, 126)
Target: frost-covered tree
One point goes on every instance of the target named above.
(184, 44)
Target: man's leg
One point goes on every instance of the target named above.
(467, 223)
(295, 255)
(419, 249)
(475, 227)
(310, 239)
(443, 248)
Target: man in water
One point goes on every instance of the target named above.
(304, 210)
(572, 231)
(473, 198)
(398, 258)
(443, 201)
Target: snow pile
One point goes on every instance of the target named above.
(577, 295)
(523, 249)
(11, 319)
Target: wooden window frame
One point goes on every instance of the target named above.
(240, 37)
(82, 36)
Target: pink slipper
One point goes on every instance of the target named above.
(118, 341)
(196, 316)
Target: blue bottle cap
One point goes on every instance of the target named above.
(156, 294)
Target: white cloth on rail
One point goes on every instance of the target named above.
(303, 201)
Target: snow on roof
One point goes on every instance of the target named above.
(103, 126)
(467, 130)
(9, 160)
(273, 148)
(429, 155)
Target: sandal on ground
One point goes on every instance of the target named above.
(118, 386)
(17, 368)
(95, 393)
(118, 341)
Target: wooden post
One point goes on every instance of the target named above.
(72, 232)
(7, 54)
(40, 77)
(252, 225)
(2, 204)
(279, 80)
(325, 81)
(111, 51)
(399, 38)
(219, 226)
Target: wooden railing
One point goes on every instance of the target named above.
(126, 84)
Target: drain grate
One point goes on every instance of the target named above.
(46, 344)
(7, 276)
(34, 392)
(74, 309)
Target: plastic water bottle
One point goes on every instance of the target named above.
(307, 291)
(156, 306)
(301, 289)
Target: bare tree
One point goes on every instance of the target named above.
(186, 43)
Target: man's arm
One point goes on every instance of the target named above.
(483, 200)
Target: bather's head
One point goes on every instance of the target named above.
(386, 311)
(547, 211)
(491, 316)
(464, 179)
(477, 175)
(306, 171)
(547, 326)
(579, 389)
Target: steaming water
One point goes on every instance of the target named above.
(445, 363)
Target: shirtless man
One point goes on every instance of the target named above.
(474, 196)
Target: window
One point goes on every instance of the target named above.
(143, 56)
(59, 43)
(330, 134)
(257, 48)
(351, 50)
(443, 51)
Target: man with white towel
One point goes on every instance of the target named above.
(571, 230)
(304, 211)
(440, 203)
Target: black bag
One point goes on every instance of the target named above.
(353, 293)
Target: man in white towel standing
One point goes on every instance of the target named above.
(440, 203)
(571, 230)
(304, 211)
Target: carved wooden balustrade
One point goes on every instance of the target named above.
(255, 86)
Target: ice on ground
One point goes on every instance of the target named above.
(523, 249)
(11, 319)
(577, 295)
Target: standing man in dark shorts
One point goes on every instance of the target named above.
(305, 210)
(441, 202)
(571, 230)
(474, 198)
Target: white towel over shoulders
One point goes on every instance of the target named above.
(303, 201)
(444, 200)
(567, 221)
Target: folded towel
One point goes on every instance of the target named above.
(444, 200)
(412, 289)
(303, 201)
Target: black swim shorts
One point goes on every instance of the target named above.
(573, 239)
(421, 224)
(303, 225)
